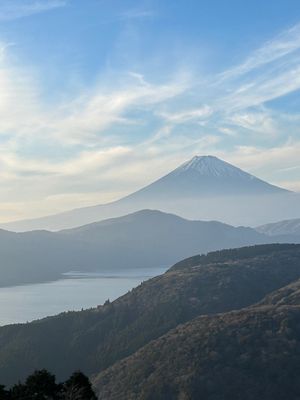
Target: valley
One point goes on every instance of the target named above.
(93, 340)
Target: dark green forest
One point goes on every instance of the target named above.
(243, 355)
(42, 385)
(230, 316)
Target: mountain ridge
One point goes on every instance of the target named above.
(248, 354)
(95, 339)
(285, 227)
(146, 238)
(197, 189)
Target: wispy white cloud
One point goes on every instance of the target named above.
(284, 44)
(143, 126)
(265, 161)
(227, 131)
(14, 9)
(80, 120)
(136, 13)
(263, 88)
(270, 72)
(259, 121)
(187, 115)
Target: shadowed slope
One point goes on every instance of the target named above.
(145, 239)
(249, 354)
(95, 339)
(243, 355)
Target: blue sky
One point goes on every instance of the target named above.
(100, 97)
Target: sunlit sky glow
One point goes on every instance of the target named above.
(98, 98)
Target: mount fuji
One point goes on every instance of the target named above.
(204, 187)
(206, 176)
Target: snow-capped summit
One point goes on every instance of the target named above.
(204, 187)
(205, 176)
(212, 166)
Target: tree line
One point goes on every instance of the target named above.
(41, 385)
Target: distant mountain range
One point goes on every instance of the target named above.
(287, 231)
(287, 227)
(204, 188)
(179, 335)
(146, 238)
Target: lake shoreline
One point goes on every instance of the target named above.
(34, 301)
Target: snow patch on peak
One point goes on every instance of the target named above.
(212, 166)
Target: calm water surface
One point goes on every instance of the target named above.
(77, 291)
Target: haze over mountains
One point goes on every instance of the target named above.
(145, 239)
(204, 188)
(211, 306)
(287, 227)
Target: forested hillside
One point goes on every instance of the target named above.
(242, 355)
(95, 339)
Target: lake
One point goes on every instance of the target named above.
(77, 291)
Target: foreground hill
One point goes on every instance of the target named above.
(204, 187)
(242, 355)
(95, 339)
(144, 239)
